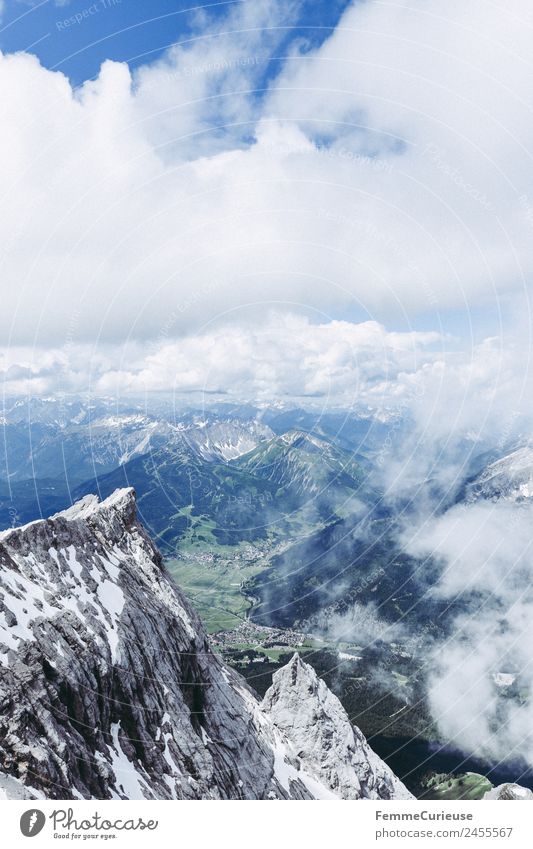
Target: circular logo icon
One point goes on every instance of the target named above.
(32, 822)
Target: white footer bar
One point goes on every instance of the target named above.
(265, 825)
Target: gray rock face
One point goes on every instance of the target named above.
(508, 479)
(313, 719)
(508, 792)
(109, 687)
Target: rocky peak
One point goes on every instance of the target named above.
(109, 687)
(303, 708)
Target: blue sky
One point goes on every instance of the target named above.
(134, 31)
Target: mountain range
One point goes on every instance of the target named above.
(278, 527)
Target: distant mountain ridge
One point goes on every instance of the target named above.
(47, 467)
(201, 485)
(307, 463)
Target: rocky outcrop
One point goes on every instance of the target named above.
(508, 792)
(109, 687)
(509, 478)
(308, 714)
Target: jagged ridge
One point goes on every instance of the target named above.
(109, 687)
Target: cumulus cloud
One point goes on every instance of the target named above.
(441, 94)
(181, 183)
(286, 357)
(283, 357)
(152, 221)
(448, 394)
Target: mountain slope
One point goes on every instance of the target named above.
(45, 466)
(309, 465)
(187, 489)
(109, 688)
(301, 706)
(181, 494)
(509, 478)
(225, 439)
(79, 450)
(349, 563)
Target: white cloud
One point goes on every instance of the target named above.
(280, 358)
(146, 239)
(447, 392)
(486, 549)
(285, 358)
(129, 198)
(447, 87)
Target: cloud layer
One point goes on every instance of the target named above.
(488, 557)
(385, 175)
